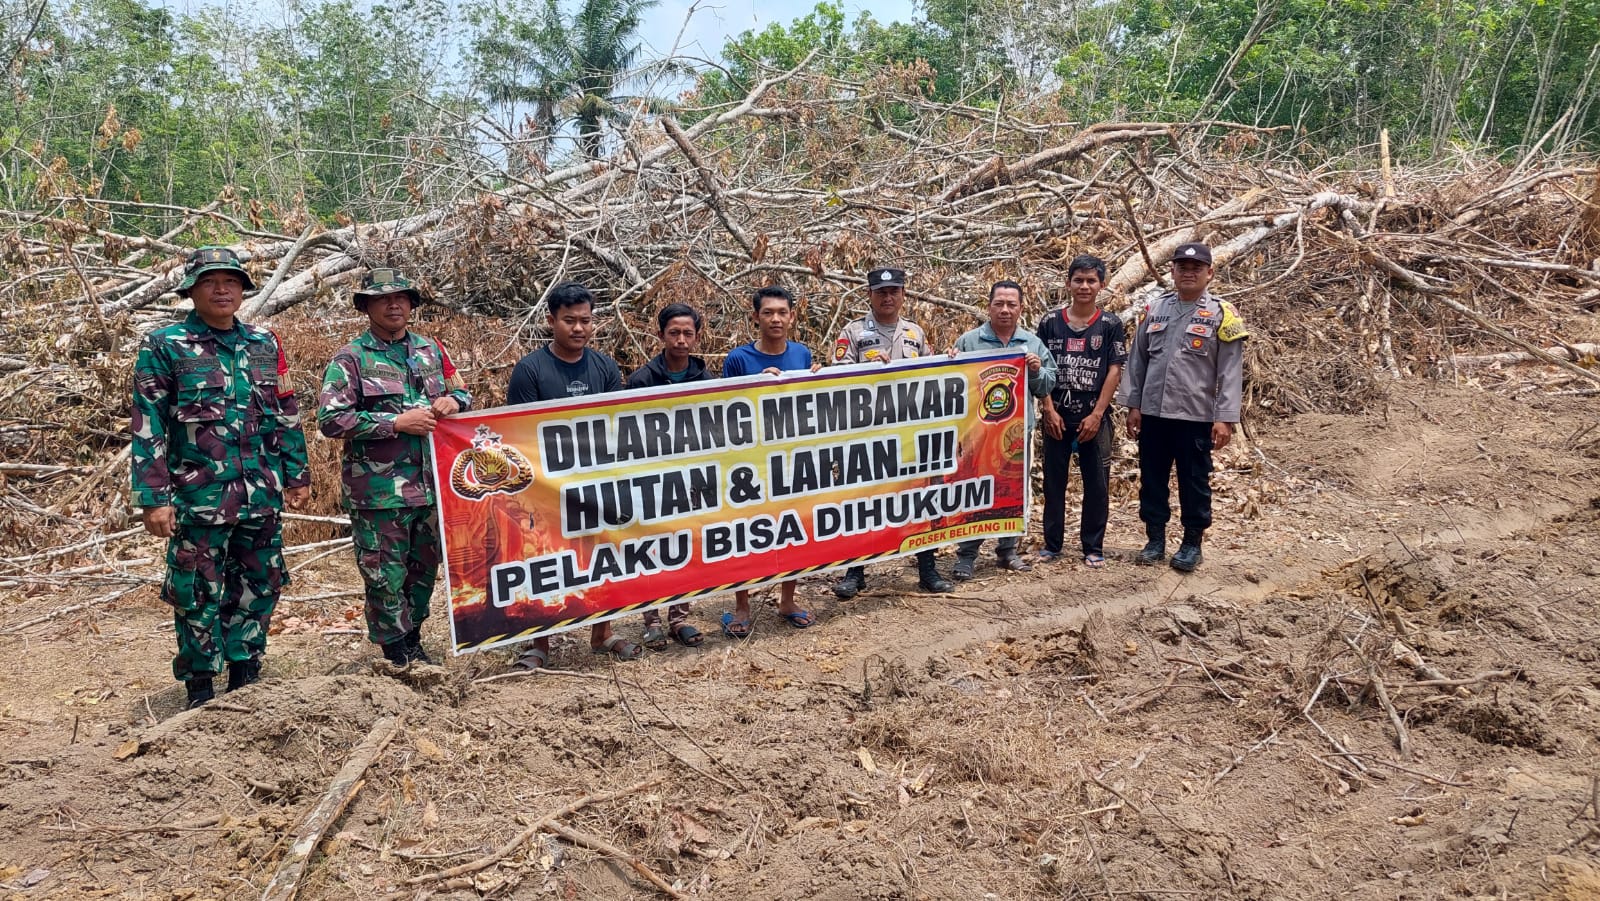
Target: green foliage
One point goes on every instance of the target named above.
(569, 69)
(323, 108)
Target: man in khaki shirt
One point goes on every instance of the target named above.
(882, 336)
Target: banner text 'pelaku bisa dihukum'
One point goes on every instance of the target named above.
(565, 513)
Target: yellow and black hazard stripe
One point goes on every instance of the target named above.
(565, 624)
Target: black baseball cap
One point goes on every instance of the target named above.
(886, 278)
(1193, 251)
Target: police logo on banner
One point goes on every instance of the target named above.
(489, 466)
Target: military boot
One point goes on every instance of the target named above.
(200, 691)
(928, 578)
(414, 649)
(1155, 550)
(1188, 555)
(855, 579)
(395, 652)
(242, 673)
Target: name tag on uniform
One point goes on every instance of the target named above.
(1201, 329)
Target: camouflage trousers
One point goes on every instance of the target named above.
(223, 583)
(397, 552)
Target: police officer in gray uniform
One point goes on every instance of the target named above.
(881, 336)
(1185, 383)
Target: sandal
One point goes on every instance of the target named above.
(735, 628)
(1094, 561)
(531, 659)
(620, 648)
(655, 638)
(686, 635)
(800, 619)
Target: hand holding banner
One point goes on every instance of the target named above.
(566, 513)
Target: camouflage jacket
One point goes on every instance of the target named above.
(364, 390)
(216, 426)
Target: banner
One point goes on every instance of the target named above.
(561, 514)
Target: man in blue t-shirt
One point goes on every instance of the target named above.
(772, 352)
(567, 368)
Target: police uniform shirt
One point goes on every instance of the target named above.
(1187, 360)
(866, 341)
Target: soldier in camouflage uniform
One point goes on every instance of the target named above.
(383, 394)
(217, 449)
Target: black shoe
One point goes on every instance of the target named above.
(928, 578)
(1187, 558)
(855, 579)
(395, 652)
(1154, 552)
(963, 569)
(200, 691)
(1015, 563)
(414, 649)
(242, 673)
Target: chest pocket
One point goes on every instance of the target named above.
(383, 389)
(1157, 343)
(202, 395)
(430, 371)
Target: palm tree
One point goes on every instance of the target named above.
(571, 71)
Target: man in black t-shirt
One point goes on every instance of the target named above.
(678, 324)
(1089, 347)
(567, 367)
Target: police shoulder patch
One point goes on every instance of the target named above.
(1233, 327)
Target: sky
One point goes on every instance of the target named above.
(711, 22)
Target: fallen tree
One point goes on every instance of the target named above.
(1349, 271)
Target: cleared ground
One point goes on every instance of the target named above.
(1127, 733)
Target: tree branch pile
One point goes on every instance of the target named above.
(1348, 275)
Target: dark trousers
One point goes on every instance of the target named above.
(1094, 465)
(1165, 444)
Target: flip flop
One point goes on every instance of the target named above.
(686, 635)
(620, 648)
(1094, 561)
(728, 624)
(531, 659)
(800, 619)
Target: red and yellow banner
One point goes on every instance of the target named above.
(566, 513)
